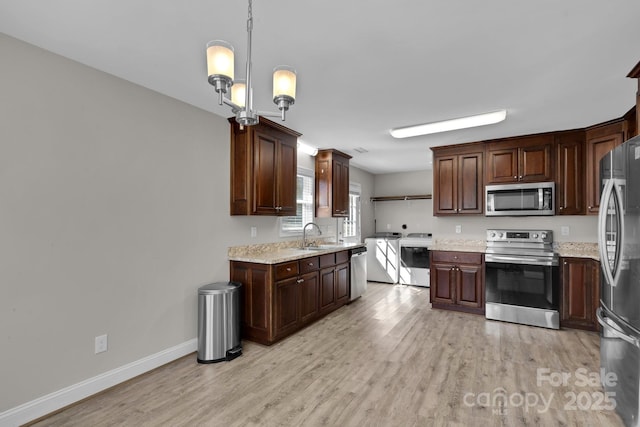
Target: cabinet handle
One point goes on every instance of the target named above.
(590, 207)
(520, 178)
(288, 268)
(515, 177)
(299, 280)
(310, 264)
(561, 208)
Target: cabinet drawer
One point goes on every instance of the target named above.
(309, 264)
(457, 257)
(327, 260)
(287, 269)
(342, 257)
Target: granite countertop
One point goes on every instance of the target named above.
(577, 250)
(564, 249)
(459, 245)
(274, 253)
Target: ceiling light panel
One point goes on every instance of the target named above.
(448, 125)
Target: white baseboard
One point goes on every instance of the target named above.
(59, 399)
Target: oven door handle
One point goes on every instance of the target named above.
(520, 260)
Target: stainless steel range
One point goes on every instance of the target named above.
(522, 278)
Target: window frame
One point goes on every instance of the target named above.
(284, 223)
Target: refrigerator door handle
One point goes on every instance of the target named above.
(614, 330)
(607, 192)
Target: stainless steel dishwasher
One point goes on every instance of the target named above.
(358, 272)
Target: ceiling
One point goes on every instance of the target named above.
(367, 66)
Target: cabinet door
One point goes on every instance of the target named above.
(445, 185)
(502, 165)
(570, 175)
(470, 289)
(470, 184)
(580, 293)
(286, 177)
(342, 283)
(286, 306)
(340, 187)
(309, 293)
(327, 289)
(597, 147)
(535, 163)
(256, 297)
(264, 183)
(442, 283)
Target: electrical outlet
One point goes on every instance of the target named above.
(388, 226)
(458, 229)
(101, 344)
(254, 231)
(564, 230)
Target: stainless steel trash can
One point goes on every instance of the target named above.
(219, 322)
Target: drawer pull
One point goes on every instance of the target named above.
(310, 264)
(299, 280)
(288, 268)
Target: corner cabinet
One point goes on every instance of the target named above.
(263, 169)
(457, 281)
(599, 141)
(458, 186)
(521, 159)
(570, 159)
(280, 299)
(332, 184)
(580, 293)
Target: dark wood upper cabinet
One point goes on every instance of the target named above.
(332, 184)
(263, 169)
(521, 159)
(599, 141)
(458, 180)
(570, 173)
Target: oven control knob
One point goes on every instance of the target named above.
(500, 235)
(543, 235)
(492, 234)
(534, 235)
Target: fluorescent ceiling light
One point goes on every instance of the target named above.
(307, 149)
(447, 125)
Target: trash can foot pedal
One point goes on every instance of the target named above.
(234, 352)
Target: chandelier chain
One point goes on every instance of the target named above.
(250, 20)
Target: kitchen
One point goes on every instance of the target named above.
(111, 229)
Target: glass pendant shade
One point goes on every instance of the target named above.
(239, 93)
(284, 83)
(220, 59)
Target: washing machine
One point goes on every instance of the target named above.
(383, 257)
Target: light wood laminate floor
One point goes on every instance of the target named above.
(387, 359)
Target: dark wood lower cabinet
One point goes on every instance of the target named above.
(580, 293)
(457, 281)
(279, 299)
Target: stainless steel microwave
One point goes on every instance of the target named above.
(536, 198)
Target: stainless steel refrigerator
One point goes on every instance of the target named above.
(619, 311)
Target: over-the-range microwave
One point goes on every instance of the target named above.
(535, 198)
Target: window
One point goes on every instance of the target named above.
(292, 225)
(351, 225)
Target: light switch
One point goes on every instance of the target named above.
(564, 230)
(254, 231)
(458, 229)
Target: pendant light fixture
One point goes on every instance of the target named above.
(220, 67)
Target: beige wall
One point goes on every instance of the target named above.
(114, 210)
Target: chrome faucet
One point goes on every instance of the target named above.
(304, 232)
